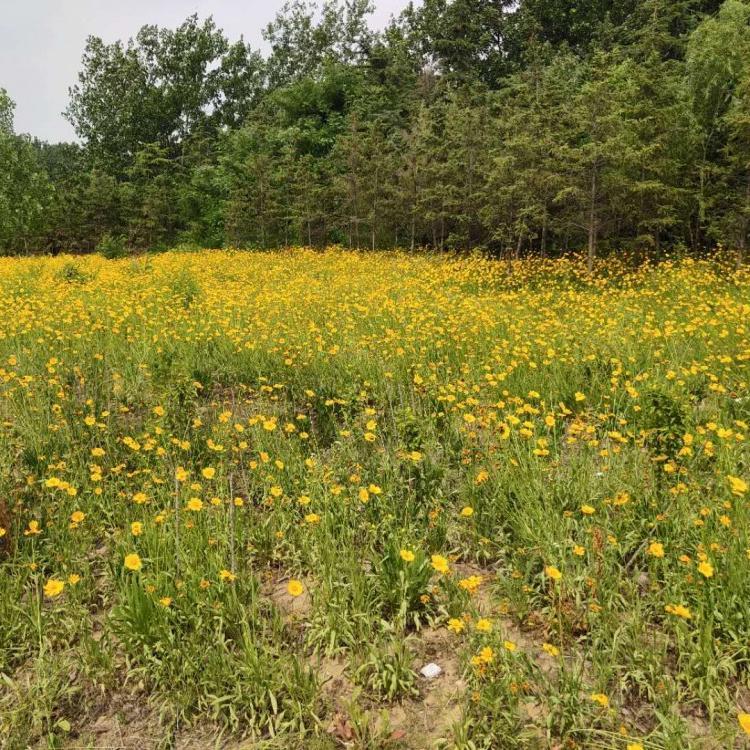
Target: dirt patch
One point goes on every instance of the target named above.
(429, 719)
(125, 723)
(293, 608)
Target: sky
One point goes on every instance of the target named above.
(41, 43)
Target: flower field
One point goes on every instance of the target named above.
(246, 497)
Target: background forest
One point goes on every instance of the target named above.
(537, 126)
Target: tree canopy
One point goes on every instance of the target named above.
(537, 126)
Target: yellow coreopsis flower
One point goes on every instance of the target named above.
(678, 610)
(295, 587)
(133, 562)
(440, 563)
(737, 485)
(656, 549)
(706, 569)
(54, 587)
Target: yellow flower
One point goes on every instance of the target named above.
(509, 646)
(467, 511)
(165, 601)
(486, 655)
(656, 549)
(737, 485)
(181, 474)
(227, 575)
(580, 396)
(74, 579)
(136, 528)
(634, 746)
(588, 510)
(471, 583)
(53, 588)
(678, 610)
(579, 551)
(552, 572)
(406, 555)
(550, 649)
(364, 494)
(195, 504)
(139, 498)
(744, 722)
(312, 518)
(77, 516)
(440, 563)
(33, 529)
(481, 477)
(295, 587)
(600, 698)
(706, 569)
(209, 472)
(133, 562)
(484, 625)
(455, 625)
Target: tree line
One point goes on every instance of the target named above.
(539, 126)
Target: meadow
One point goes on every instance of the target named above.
(246, 497)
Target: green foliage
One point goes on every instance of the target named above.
(387, 672)
(25, 189)
(532, 127)
(112, 246)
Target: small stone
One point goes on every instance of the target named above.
(430, 671)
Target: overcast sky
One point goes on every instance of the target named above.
(41, 42)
